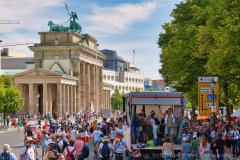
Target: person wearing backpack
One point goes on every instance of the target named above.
(105, 149)
(28, 152)
(70, 152)
(6, 154)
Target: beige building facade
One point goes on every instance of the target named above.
(68, 75)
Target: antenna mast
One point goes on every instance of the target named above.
(134, 53)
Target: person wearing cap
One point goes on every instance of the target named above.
(7, 154)
(28, 152)
(104, 148)
(119, 145)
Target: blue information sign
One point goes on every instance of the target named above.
(211, 96)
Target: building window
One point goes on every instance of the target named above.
(126, 79)
(104, 77)
(108, 77)
(112, 78)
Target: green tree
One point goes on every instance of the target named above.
(117, 100)
(203, 39)
(10, 99)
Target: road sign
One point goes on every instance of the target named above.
(207, 79)
(206, 90)
(205, 96)
(211, 96)
(209, 105)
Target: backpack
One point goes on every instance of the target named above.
(70, 155)
(85, 151)
(157, 122)
(5, 156)
(105, 150)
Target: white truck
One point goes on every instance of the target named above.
(159, 102)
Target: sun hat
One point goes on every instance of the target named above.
(29, 139)
(105, 138)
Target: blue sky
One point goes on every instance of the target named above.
(121, 25)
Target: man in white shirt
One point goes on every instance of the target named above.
(96, 134)
(73, 133)
(28, 152)
(234, 136)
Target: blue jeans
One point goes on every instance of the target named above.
(168, 157)
(221, 157)
(155, 130)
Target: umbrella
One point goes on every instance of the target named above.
(202, 117)
(236, 113)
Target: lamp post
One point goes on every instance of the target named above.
(212, 85)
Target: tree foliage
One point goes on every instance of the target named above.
(203, 39)
(117, 100)
(10, 99)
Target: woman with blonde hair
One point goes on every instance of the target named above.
(205, 149)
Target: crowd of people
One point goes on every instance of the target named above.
(68, 137)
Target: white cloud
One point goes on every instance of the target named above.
(30, 13)
(116, 19)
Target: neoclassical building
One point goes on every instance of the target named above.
(67, 77)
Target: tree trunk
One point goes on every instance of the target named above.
(4, 115)
(226, 94)
(193, 111)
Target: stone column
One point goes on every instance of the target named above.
(49, 98)
(97, 89)
(83, 89)
(74, 100)
(79, 83)
(71, 98)
(92, 85)
(67, 98)
(45, 98)
(64, 98)
(88, 87)
(31, 96)
(101, 88)
(59, 98)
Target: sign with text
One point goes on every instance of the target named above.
(206, 98)
(106, 113)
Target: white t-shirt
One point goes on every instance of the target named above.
(64, 135)
(113, 134)
(96, 134)
(28, 153)
(59, 130)
(152, 121)
(234, 133)
(70, 148)
(120, 146)
(73, 134)
(213, 134)
(60, 144)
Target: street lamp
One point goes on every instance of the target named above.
(212, 85)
